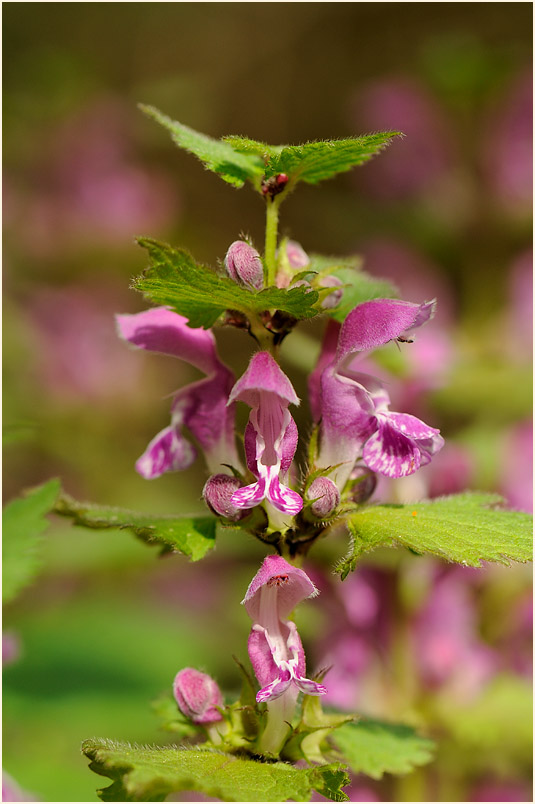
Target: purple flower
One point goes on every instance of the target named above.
(354, 407)
(198, 696)
(274, 646)
(270, 436)
(201, 407)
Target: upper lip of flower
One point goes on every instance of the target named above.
(294, 587)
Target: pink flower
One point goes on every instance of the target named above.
(201, 407)
(274, 646)
(270, 436)
(354, 407)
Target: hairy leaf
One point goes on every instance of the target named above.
(192, 536)
(234, 166)
(175, 280)
(466, 528)
(144, 773)
(374, 748)
(315, 161)
(245, 145)
(23, 525)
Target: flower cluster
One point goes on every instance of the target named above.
(351, 407)
(357, 436)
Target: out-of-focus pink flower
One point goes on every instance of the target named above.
(520, 314)
(360, 596)
(349, 657)
(517, 467)
(451, 471)
(509, 144)
(10, 648)
(412, 166)
(11, 790)
(413, 273)
(445, 638)
(90, 188)
(500, 790)
(75, 340)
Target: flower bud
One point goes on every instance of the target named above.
(244, 265)
(362, 484)
(197, 696)
(325, 495)
(297, 256)
(333, 298)
(217, 492)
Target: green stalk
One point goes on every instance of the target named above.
(272, 225)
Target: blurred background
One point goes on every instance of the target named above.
(444, 212)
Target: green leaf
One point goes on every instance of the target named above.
(234, 166)
(374, 748)
(23, 525)
(245, 145)
(192, 536)
(466, 528)
(144, 773)
(315, 161)
(359, 287)
(175, 280)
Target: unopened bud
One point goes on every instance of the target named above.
(244, 265)
(274, 185)
(333, 298)
(197, 696)
(362, 484)
(325, 495)
(297, 256)
(217, 492)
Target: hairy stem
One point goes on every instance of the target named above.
(272, 225)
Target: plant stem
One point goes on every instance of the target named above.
(272, 225)
(280, 713)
